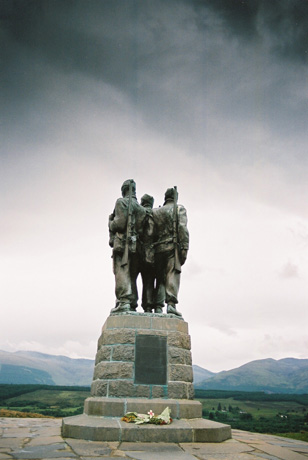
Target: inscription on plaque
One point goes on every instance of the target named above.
(151, 360)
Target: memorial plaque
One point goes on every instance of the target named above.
(151, 360)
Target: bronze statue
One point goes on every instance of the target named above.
(125, 228)
(171, 246)
(153, 242)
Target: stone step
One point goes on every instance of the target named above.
(114, 429)
(117, 407)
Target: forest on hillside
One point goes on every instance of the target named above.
(285, 414)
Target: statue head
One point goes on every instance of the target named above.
(125, 187)
(169, 195)
(147, 201)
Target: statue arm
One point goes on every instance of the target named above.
(183, 234)
(111, 234)
(149, 223)
(119, 222)
(111, 217)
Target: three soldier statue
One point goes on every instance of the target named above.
(152, 242)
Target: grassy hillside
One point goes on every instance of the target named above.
(258, 412)
(56, 401)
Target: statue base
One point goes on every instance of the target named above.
(143, 363)
(114, 429)
(118, 407)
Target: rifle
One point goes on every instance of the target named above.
(177, 263)
(124, 260)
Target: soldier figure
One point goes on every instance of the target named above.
(125, 228)
(171, 246)
(147, 257)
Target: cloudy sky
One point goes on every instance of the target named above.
(210, 96)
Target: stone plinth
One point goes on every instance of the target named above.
(126, 367)
(117, 407)
(143, 362)
(114, 429)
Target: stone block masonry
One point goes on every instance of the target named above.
(142, 355)
(143, 362)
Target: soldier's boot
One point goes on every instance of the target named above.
(120, 308)
(172, 309)
(158, 309)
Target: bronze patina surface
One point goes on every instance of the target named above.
(152, 242)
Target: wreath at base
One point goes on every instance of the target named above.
(150, 418)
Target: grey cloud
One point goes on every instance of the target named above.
(184, 66)
(109, 40)
(282, 22)
(286, 23)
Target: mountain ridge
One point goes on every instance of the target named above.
(287, 375)
(61, 370)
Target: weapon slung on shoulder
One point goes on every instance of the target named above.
(128, 227)
(177, 263)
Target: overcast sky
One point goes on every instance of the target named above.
(210, 96)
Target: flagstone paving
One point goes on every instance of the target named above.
(40, 439)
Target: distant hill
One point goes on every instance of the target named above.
(33, 367)
(24, 375)
(200, 374)
(287, 375)
(39, 368)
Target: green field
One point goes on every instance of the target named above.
(282, 414)
(257, 409)
(43, 399)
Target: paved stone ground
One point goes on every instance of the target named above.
(41, 439)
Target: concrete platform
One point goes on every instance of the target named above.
(114, 429)
(40, 439)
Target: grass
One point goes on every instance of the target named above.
(51, 397)
(52, 402)
(281, 415)
(19, 414)
(302, 436)
(256, 408)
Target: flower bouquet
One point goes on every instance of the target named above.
(162, 419)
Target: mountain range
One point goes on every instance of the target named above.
(34, 367)
(287, 375)
(201, 374)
